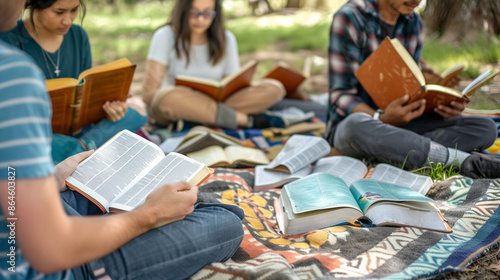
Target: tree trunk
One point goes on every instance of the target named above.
(461, 20)
(293, 4)
(320, 4)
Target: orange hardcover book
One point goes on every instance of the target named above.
(447, 75)
(78, 102)
(290, 77)
(391, 72)
(127, 168)
(442, 95)
(220, 90)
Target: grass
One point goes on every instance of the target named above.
(474, 56)
(438, 172)
(126, 31)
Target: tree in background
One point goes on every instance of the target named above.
(462, 20)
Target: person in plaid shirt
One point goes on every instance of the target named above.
(402, 134)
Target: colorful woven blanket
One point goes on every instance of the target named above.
(470, 207)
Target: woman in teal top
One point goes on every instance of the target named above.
(62, 49)
(68, 61)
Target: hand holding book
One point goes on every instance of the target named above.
(391, 72)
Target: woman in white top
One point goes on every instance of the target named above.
(195, 43)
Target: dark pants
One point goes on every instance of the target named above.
(360, 136)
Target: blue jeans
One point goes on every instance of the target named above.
(93, 136)
(360, 136)
(105, 129)
(212, 233)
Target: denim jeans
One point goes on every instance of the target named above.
(94, 136)
(212, 233)
(105, 129)
(360, 136)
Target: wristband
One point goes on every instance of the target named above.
(376, 115)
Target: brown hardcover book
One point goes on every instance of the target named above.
(290, 77)
(200, 137)
(78, 102)
(220, 90)
(391, 72)
(230, 156)
(442, 95)
(447, 75)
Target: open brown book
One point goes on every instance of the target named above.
(437, 94)
(78, 102)
(220, 90)
(230, 156)
(391, 72)
(200, 137)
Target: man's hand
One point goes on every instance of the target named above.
(170, 203)
(115, 110)
(448, 112)
(68, 166)
(399, 113)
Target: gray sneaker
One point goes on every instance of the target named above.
(481, 166)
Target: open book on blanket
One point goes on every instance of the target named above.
(200, 137)
(298, 152)
(121, 173)
(321, 200)
(349, 169)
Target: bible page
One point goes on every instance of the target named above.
(391, 174)
(299, 151)
(113, 167)
(172, 168)
(347, 168)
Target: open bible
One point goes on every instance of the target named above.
(220, 90)
(321, 200)
(78, 102)
(349, 168)
(298, 152)
(127, 168)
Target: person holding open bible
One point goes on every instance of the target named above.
(62, 50)
(195, 43)
(45, 237)
(402, 133)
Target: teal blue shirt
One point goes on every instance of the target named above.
(74, 54)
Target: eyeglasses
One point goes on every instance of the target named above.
(205, 15)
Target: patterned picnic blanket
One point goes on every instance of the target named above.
(470, 207)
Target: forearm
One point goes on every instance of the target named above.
(51, 241)
(153, 80)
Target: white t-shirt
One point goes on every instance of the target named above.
(162, 51)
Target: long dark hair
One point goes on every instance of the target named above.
(179, 21)
(34, 5)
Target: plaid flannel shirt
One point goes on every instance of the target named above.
(354, 34)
